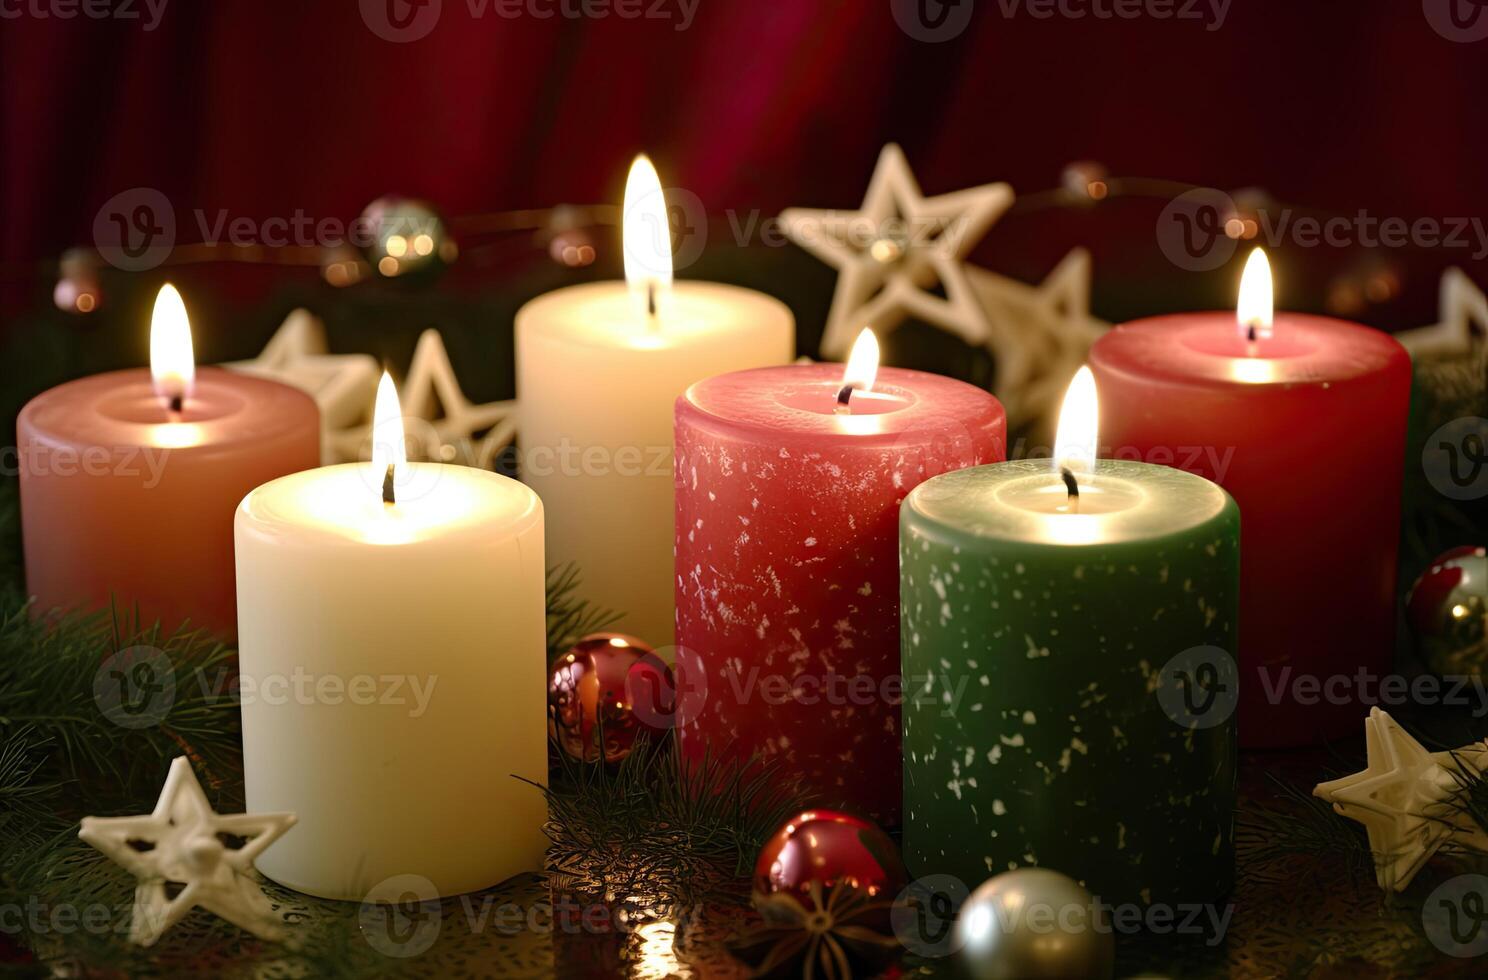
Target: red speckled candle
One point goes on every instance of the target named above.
(787, 563)
(1306, 430)
(123, 499)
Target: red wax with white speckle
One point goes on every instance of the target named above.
(787, 564)
(1306, 430)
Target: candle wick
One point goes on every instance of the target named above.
(1250, 333)
(388, 496)
(1073, 486)
(844, 398)
(651, 300)
(177, 403)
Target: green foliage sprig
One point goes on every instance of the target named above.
(570, 616)
(62, 757)
(654, 825)
(51, 671)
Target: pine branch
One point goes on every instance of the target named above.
(52, 675)
(570, 617)
(1471, 799)
(654, 826)
(1304, 825)
(28, 800)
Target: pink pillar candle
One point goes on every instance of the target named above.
(787, 563)
(1306, 430)
(125, 501)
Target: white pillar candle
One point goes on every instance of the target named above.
(599, 367)
(393, 662)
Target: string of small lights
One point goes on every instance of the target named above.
(406, 235)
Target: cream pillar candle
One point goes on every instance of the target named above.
(393, 659)
(598, 369)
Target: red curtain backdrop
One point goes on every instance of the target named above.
(262, 109)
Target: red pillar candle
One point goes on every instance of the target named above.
(1304, 425)
(787, 562)
(129, 480)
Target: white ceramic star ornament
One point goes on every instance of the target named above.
(1040, 335)
(186, 856)
(1404, 798)
(1463, 306)
(447, 426)
(341, 384)
(893, 250)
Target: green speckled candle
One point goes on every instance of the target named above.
(1046, 654)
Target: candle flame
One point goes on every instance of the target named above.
(172, 361)
(1079, 426)
(646, 234)
(862, 363)
(387, 429)
(1256, 310)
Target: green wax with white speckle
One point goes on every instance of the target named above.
(1069, 677)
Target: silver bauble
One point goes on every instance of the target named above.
(407, 236)
(1030, 924)
(1448, 613)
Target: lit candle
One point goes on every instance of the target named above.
(392, 656)
(789, 481)
(129, 480)
(598, 367)
(1303, 420)
(1043, 610)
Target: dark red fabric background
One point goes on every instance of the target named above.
(263, 108)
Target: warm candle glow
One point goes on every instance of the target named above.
(1256, 310)
(1079, 426)
(862, 363)
(388, 452)
(172, 361)
(646, 234)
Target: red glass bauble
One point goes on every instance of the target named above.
(819, 851)
(825, 885)
(612, 685)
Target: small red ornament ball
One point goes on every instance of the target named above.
(826, 861)
(608, 683)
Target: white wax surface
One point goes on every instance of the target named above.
(1027, 501)
(393, 659)
(597, 384)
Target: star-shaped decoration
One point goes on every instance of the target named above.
(186, 856)
(1404, 800)
(445, 425)
(1040, 335)
(891, 252)
(343, 385)
(1463, 306)
(831, 938)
